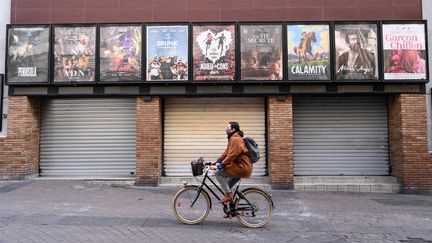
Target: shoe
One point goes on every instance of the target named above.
(239, 213)
(228, 198)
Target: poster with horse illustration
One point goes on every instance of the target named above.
(28, 51)
(261, 52)
(74, 54)
(213, 52)
(356, 54)
(308, 52)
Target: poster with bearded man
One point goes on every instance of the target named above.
(356, 51)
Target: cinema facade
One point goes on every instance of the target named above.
(334, 105)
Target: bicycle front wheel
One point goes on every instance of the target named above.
(191, 206)
(254, 208)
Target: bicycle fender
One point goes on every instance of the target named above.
(202, 191)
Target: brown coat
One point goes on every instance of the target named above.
(235, 157)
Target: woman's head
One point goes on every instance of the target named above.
(234, 127)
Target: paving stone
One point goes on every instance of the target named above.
(77, 211)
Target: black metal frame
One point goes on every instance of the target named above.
(237, 83)
(239, 53)
(377, 65)
(331, 48)
(191, 47)
(98, 51)
(11, 26)
(215, 184)
(381, 48)
(189, 52)
(74, 83)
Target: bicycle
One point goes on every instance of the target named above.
(253, 207)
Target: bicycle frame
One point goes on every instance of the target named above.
(203, 183)
(236, 191)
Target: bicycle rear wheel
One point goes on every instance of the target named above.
(254, 208)
(187, 213)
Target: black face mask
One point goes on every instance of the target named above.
(228, 131)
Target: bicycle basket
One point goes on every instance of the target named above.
(197, 167)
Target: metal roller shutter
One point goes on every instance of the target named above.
(340, 136)
(92, 138)
(195, 127)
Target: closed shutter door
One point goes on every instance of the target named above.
(195, 127)
(88, 138)
(340, 136)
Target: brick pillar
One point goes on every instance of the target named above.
(20, 149)
(280, 142)
(149, 141)
(409, 157)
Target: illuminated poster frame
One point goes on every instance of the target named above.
(120, 53)
(356, 53)
(28, 54)
(214, 52)
(309, 52)
(167, 53)
(405, 51)
(74, 54)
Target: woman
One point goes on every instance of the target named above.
(234, 163)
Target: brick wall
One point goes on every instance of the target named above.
(409, 157)
(20, 150)
(149, 141)
(80, 11)
(280, 142)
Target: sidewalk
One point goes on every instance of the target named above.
(78, 211)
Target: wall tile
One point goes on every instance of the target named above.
(68, 4)
(33, 4)
(203, 15)
(101, 16)
(204, 4)
(24, 16)
(407, 12)
(237, 15)
(68, 16)
(268, 14)
(230, 4)
(136, 4)
(305, 3)
(305, 14)
(260, 4)
(340, 13)
(135, 15)
(101, 4)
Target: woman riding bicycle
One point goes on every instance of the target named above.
(234, 163)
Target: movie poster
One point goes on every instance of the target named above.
(356, 52)
(308, 52)
(167, 53)
(120, 53)
(261, 52)
(214, 52)
(74, 54)
(404, 51)
(28, 52)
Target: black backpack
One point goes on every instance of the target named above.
(253, 149)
